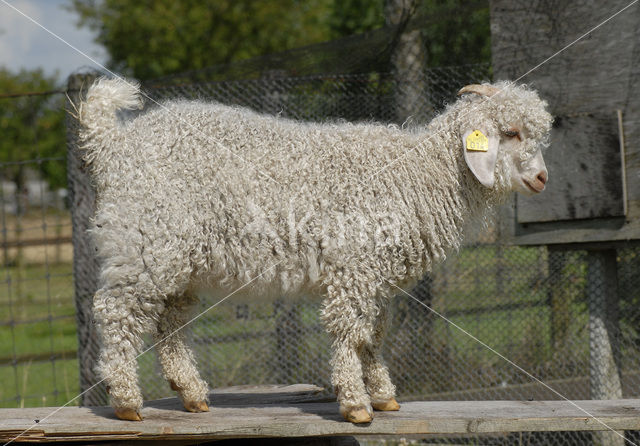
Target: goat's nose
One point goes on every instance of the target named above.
(542, 177)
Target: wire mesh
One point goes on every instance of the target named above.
(528, 303)
(38, 341)
(531, 304)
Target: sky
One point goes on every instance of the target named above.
(24, 45)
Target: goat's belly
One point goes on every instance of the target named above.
(271, 282)
(247, 293)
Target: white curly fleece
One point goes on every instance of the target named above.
(196, 195)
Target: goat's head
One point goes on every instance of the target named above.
(504, 128)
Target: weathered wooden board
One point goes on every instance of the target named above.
(294, 411)
(586, 85)
(585, 171)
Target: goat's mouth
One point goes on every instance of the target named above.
(536, 188)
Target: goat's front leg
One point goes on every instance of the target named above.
(376, 375)
(349, 314)
(348, 383)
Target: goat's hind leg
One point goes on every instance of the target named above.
(120, 323)
(178, 363)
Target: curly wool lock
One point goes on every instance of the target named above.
(194, 195)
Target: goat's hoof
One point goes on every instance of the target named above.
(196, 406)
(128, 414)
(387, 405)
(357, 415)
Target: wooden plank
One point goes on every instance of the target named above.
(585, 172)
(35, 242)
(293, 411)
(585, 233)
(586, 86)
(36, 357)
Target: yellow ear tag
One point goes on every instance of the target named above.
(477, 142)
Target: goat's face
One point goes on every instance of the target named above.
(527, 171)
(503, 132)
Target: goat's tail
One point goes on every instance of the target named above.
(97, 114)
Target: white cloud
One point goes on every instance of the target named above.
(24, 44)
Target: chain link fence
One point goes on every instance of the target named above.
(530, 304)
(38, 343)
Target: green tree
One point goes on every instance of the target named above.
(347, 17)
(32, 127)
(148, 39)
(455, 32)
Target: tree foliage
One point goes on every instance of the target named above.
(347, 17)
(32, 126)
(154, 38)
(149, 39)
(455, 32)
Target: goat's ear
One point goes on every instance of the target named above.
(481, 152)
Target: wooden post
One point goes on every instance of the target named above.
(559, 298)
(602, 295)
(419, 319)
(288, 332)
(85, 264)
(408, 61)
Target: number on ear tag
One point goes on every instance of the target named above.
(477, 142)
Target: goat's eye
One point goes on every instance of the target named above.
(512, 133)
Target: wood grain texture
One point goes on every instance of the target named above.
(586, 166)
(585, 85)
(294, 411)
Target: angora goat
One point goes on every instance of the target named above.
(194, 195)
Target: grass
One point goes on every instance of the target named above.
(42, 383)
(29, 296)
(37, 318)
